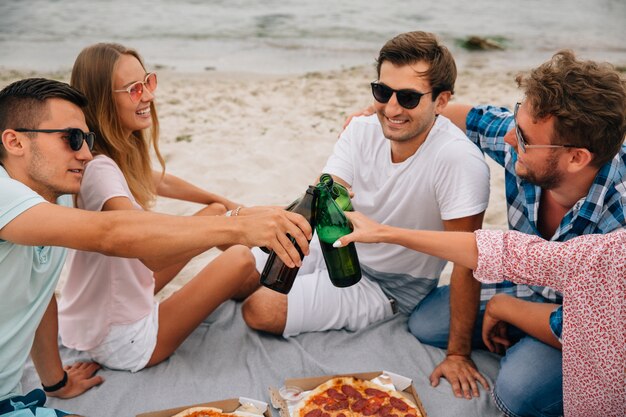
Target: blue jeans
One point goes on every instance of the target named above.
(530, 381)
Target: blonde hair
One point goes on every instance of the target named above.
(92, 74)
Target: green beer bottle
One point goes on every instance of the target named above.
(276, 275)
(342, 263)
(340, 194)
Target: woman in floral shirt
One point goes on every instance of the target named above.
(590, 272)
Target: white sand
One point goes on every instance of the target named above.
(260, 139)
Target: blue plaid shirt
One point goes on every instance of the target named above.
(601, 211)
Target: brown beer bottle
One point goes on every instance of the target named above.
(290, 207)
(276, 275)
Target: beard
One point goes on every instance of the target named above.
(547, 179)
(42, 173)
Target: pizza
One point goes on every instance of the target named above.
(203, 412)
(353, 397)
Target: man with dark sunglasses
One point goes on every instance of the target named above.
(408, 167)
(45, 146)
(565, 176)
(74, 136)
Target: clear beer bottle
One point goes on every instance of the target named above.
(276, 275)
(342, 263)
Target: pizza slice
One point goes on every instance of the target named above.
(352, 397)
(202, 412)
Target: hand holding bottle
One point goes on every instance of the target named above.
(270, 228)
(365, 230)
(278, 275)
(290, 207)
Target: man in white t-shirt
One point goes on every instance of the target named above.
(42, 159)
(408, 167)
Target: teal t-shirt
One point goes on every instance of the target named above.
(28, 277)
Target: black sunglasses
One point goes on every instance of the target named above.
(409, 99)
(75, 136)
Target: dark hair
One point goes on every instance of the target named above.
(23, 103)
(408, 48)
(587, 100)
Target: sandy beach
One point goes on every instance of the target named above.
(261, 139)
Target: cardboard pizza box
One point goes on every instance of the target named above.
(403, 384)
(227, 406)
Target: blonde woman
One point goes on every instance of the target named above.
(107, 306)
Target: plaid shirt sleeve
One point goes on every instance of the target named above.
(486, 127)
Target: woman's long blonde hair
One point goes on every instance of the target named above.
(92, 74)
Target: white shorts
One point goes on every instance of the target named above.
(314, 304)
(128, 347)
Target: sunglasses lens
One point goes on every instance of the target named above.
(151, 81)
(76, 139)
(408, 99)
(136, 91)
(90, 139)
(520, 139)
(381, 92)
(521, 144)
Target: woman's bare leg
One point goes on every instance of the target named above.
(166, 275)
(233, 274)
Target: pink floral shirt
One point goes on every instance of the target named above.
(590, 272)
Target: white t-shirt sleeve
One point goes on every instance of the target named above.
(462, 180)
(341, 161)
(102, 181)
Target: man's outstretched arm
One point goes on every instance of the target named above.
(153, 237)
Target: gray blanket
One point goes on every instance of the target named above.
(224, 359)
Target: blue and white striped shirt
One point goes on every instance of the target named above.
(601, 211)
